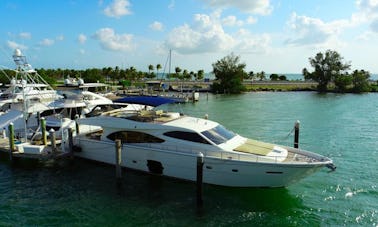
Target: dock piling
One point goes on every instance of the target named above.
(11, 140)
(296, 134)
(43, 128)
(199, 179)
(53, 140)
(118, 146)
(77, 124)
(70, 142)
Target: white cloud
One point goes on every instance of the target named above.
(308, 31)
(206, 35)
(47, 42)
(261, 7)
(25, 35)
(250, 43)
(14, 45)
(171, 5)
(109, 40)
(60, 38)
(251, 20)
(156, 26)
(232, 21)
(369, 12)
(118, 8)
(82, 38)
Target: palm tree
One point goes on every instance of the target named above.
(158, 67)
(150, 68)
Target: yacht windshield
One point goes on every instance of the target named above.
(218, 134)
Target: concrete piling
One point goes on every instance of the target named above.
(296, 134)
(53, 140)
(199, 179)
(118, 151)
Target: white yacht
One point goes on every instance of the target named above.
(168, 143)
(30, 97)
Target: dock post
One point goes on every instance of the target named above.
(11, 140)
(43, 128)
(70, 142)
(296, 134)
(77, 124)
(199, 179)
(53, 140)
(38, 118)
(118, 159)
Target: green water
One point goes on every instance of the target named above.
(343, 127)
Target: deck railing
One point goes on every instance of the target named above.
(293, 156)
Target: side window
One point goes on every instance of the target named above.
(134, 137)
(188, 136)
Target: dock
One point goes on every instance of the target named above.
(32, 151)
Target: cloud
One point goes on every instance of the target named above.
(308, 30)
(261, 7)
(206, 35)
(14, 45)
(171, 5)
(368, 12)
(118, 8)
(47, 42)
(109, 40)
(156, 26)
(232, 21)
(60, 38)
(25, 35)
(82, 38)
(251, 20)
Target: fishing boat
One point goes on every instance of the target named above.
(168, 144)
(29, 97)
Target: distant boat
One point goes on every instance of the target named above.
(168, 144)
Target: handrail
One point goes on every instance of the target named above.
(298, 157)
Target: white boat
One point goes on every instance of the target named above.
(29, 97)
(168, 143)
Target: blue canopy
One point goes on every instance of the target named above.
(146, 100)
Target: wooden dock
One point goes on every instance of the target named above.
(46, 153)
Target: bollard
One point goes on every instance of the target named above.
(199, 179)
(296, 134)
(118, 146)
(11, 140)
(77, 124)
(43, 128)
(70, 142)
(53, 140)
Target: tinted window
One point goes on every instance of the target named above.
(218, 134)
(189, 136)
(134, 137)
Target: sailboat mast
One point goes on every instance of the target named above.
(170, 58)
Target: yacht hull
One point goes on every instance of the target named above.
(182, 165)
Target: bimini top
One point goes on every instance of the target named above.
(146, 100)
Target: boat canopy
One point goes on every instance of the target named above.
(146, 100)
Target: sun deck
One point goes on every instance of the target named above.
(158, 116)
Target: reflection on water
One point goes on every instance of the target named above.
(341, 126)
(86, 192)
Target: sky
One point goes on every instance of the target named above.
(274, 36)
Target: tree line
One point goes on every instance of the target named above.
(114, 75)
(331, 73)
